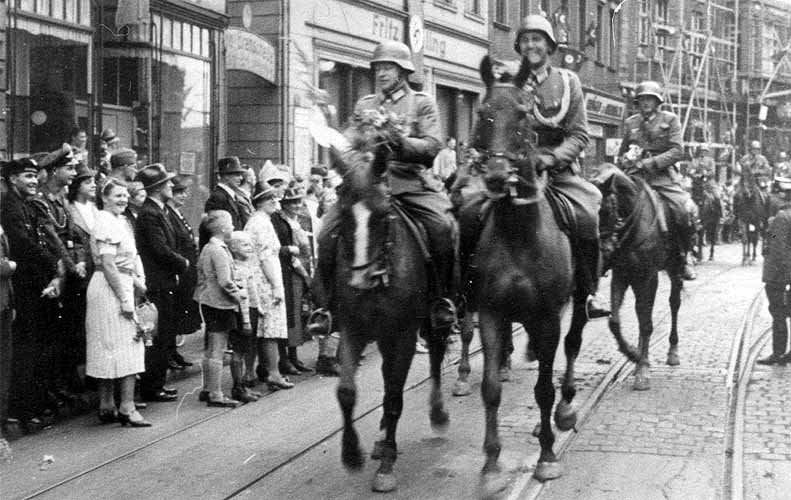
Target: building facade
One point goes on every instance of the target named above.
(324, 47)
(151, 71)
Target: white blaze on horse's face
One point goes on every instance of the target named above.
(362, 214)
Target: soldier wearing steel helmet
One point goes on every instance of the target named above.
(655, 136)
(559, 119)
(408, 175)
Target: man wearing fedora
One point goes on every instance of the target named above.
(37, 285)
(158, 248)
(777, 275)
(230, 174)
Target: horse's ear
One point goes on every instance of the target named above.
(521, 76)
(485, 69)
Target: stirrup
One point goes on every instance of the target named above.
(319, 322)
(444, 317)
(594, 310)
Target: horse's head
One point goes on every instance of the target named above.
(502, 135)
(619, 194)
(364, 198)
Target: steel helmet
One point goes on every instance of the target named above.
(650, 88)
(393, 52)
(535, 22)
(755, 145)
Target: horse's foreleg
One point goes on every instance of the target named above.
(565, 414)
(645, 296)
(676, 284)
(462, 387)
(351, 454)
(491, 387)
(618, 287)
(397, 351)
(548, 334)
(440, 419)
(507, 334)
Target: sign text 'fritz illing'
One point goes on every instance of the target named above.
(386, 28)
(247, 51)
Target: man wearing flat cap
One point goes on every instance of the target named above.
(123, 164)
(37, 285)
(158, 248)
(777, 275)
(224, 197)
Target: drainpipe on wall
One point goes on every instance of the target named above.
(285, 91)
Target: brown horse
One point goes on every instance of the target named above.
(635, 249)
(710, 215)
(525, 270)
(751, 210)
(381, 293)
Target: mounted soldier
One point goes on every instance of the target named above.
(754, 170)
(409, 181)
(650, 148)
(560, 123)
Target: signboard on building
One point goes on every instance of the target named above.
(215, 5)
(612, 146)
(604, 106)
(245, 51)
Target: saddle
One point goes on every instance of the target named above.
(564, 213)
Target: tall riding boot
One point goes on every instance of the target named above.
(239, 391)
(285, 366)
(327, 363)
(588, 277)
(298, 364)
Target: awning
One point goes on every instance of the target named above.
(54, 29)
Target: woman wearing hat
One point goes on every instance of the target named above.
(267, 274)
(82, 215)
(294, 262)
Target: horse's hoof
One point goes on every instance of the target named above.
(492, 485)
(351, 454)
(537, 430)
(672, 357)
(462, 388)
(565, 416)
(504, 374)
(384, 483)
(641, 381)
(546, 471)
(440, 419)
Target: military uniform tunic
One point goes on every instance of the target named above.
(753, 169)
(777, 274)
(560, 121)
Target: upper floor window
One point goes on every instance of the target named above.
(644, 26)
(661, 11)
(474, 6)
(501, 11)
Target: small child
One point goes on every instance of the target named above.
(220, 299)
(243, 340)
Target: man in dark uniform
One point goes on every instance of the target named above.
(559, 119)
(777, 275)
(38, 282)
(158, 249)
(224, 197)
(654, 136)
(409, 179)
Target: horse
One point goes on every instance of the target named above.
(525, 269)
(751, 211)
(633, 241)
(711, 215)
(381, 284)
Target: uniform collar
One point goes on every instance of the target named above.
(541, 73)
(396, 95)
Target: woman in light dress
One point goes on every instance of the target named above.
(115, 352)
(272, 322)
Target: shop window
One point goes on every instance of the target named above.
(167, 33)
(176, 35)
(186, 37)
(345, 85)
(120, 81)
(204, 51)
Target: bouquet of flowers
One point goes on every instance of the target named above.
(373, 128)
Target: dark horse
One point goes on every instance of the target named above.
(751, 211)
(381, 291)
(632, 234)
(525, 270)
(711, 215)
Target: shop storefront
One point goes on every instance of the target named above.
(605, 116)
(49, 67)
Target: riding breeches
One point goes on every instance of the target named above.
(681, 214)
(585, 199)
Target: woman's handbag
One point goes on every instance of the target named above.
(146, 318)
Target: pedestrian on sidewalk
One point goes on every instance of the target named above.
(242, 339)
(268, 277)
(115, 352)
(219, 298)
(777, 276)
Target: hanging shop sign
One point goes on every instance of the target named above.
(603, 106)
(247, 51)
